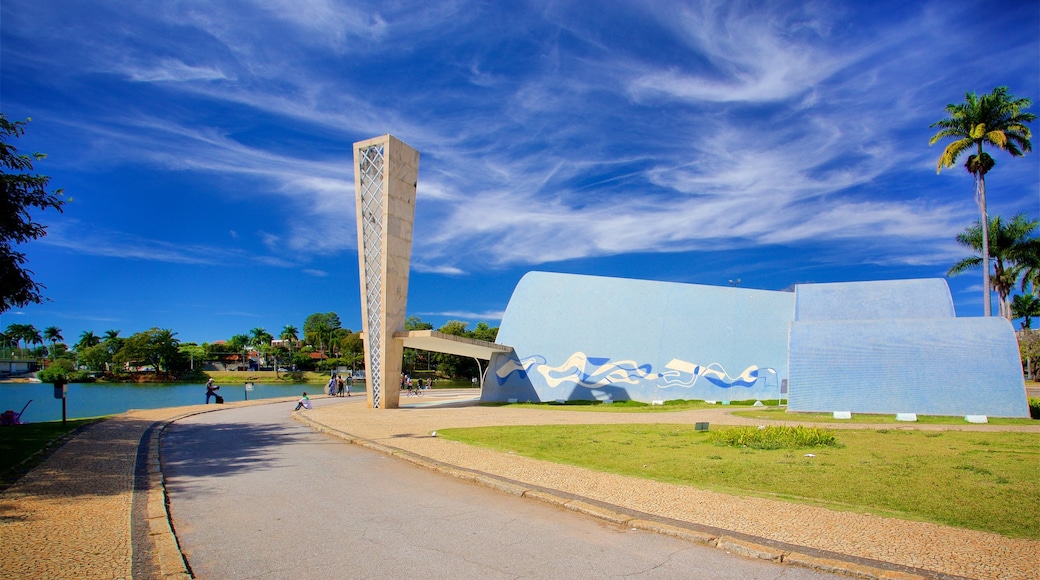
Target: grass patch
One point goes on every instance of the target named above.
(773, 437)
(23, 447)
(980, 481)
(779, 414)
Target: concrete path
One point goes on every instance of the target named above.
(96, 509)
(254, 494)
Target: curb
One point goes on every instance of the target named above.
(171, 561)
(744, 545)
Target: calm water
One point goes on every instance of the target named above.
(94, 399)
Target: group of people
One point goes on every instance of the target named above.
(416, 387)
(337, 386)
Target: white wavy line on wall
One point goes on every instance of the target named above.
(512, 365)
(574, 371)
(750, 374)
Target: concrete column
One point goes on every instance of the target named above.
(385, 173)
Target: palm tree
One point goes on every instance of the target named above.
(33, 336)
(16, 334)
(53, 334)
(1008, 243)
(995, 119)
(259, 337)
(87, 339)
(165, 347)
(1026, 307)
(111, 335)
(261, 340)
(290, 334)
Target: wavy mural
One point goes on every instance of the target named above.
(582, 370)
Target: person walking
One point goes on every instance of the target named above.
(331, 387)
(341, 386)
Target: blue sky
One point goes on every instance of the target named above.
(207, 147)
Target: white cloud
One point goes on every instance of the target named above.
(174, 70)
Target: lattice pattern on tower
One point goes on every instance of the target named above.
(371, 167)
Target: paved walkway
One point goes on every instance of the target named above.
(78, 515)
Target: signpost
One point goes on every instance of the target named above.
(61, 391)
(249, 387)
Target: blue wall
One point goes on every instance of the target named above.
(967, 366)
(896, 347)
(866, 347)
(587, 337)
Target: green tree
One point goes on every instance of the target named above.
(96, 358)
(17, 334)
(1029, 349)
(22, 191)
(318, 329)
(485, 332)
(87, 339)
(167, 351)
(290, 335)
(259, 337)
(237, 342)
(1008, 242)
(995, 119)
(32, 336)
(1026, 307)
(53, 334)
(416, 323)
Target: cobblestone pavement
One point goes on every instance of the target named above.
(96, 509)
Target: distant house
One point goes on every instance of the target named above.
(17, 367)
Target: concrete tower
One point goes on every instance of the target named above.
(385, 173)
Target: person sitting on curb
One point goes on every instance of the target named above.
(304, 403)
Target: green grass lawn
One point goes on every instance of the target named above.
(23, 446)
(982, 481)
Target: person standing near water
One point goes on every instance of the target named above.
(211, 390)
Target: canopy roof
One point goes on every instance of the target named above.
(434, 341)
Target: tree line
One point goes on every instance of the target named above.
(323, 344)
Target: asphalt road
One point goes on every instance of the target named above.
(256, 495)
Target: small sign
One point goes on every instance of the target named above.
(783, 386)
(60, 390)
(249, 386)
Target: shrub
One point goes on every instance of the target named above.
(773, 437)
(1034, 407)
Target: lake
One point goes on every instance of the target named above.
(95, 399)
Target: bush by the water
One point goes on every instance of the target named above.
(773, 437)
(1034, 407)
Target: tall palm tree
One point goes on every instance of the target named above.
(259, 337)
(261, 341)
(16, 334)
(87, 339)
(995, 119)
(1008, 243)
(165, 347)
(1026, 307)
(53, 334)
(290, 334)
(33, 336)
(111, 335)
